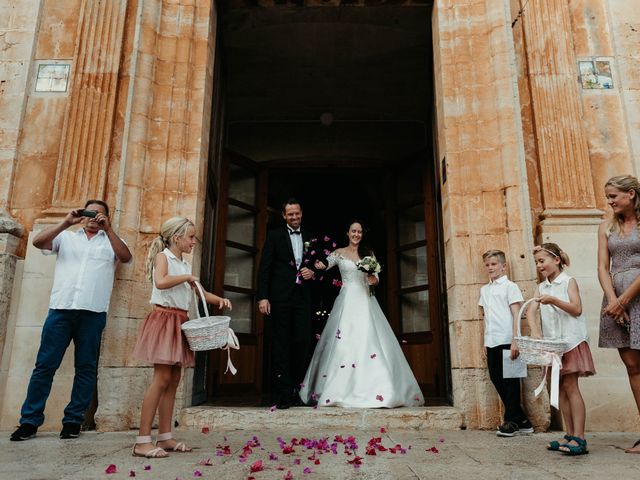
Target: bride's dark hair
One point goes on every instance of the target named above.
(363, 249)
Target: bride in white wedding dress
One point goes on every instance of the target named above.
(358, 361)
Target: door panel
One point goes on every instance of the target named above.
(240, 228)
(414, 282)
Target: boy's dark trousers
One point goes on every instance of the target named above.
(508, 388)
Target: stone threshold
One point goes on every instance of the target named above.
(406, 418)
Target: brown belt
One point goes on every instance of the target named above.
(169, 309)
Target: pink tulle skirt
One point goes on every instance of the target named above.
(161, 340)
(578, 360)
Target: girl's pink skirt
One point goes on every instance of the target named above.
(161, 340)
(578, 360)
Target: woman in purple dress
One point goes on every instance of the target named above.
(619, 275)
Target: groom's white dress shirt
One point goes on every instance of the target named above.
(296, 244)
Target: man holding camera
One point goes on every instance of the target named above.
(82, 284)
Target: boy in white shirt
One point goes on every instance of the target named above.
(499, 303)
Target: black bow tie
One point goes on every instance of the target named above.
(294, 232)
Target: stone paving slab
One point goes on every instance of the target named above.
(461, 454)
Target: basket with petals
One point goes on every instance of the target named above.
(208, 332)
(539, 351)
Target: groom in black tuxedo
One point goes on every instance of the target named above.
(284, 293)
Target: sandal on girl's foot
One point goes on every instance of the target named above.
(579, 449)
(155, 452)
(555, 445)
(178, 447)
(633, 449)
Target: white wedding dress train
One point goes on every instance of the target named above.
(358, 361)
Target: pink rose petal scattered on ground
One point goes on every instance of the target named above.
(273, 408)
(132, 473)
(111, 469)
(380, 398)
(205, 429)
(383, 430)
(197, 473)
(273, 457)
(257, 466)
(441, 439)
(432, 450)
(147, 467)
(296, 461)
(288, 475)
(306, 470)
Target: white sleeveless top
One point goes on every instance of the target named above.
(574, 329)
(178, 296)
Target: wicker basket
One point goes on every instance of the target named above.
(208, 332)
(538, 351)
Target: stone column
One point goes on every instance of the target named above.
(10, 233)
(557, 112)
(166, 91)
(485, 196)
(88, 123)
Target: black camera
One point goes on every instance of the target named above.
(87, 213)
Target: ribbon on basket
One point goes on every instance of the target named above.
(232, 342)
(556, 365)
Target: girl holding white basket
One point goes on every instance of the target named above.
(558, 299)
(161, 340)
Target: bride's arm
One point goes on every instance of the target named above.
(332, 259)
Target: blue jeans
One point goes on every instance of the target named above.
(60, 327)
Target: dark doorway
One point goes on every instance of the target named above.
(333, 106)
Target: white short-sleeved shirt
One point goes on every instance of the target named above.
(556, 323)
(496, 297)
(175, 297)
(84, 271)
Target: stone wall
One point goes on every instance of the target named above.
(485, 197)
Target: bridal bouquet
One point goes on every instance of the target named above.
(370, 266)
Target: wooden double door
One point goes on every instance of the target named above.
(402, 202)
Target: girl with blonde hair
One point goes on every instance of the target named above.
(560, 305)
(619, 275)
(161, 341)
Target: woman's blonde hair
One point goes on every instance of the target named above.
(555, 251)
(173, 228)
(624, 183)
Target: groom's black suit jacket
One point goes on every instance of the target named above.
(277, 272)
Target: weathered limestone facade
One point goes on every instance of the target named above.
(526, 153)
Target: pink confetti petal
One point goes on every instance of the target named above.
(317, 336)
(111, 469)
(441, 440)
(147, 467)
(197, 473)
(306, 471)
(205, 429)
(288, 476)
(380, 398)
(373, 355)
(132, 473)
(273, 408)
(353, 365)
(257, 466)
(383, 430)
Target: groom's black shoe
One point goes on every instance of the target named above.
(282, 405)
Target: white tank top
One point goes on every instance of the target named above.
(178, 296)
(574, 329)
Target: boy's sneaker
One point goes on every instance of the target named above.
(525, 427)
(70, 430)
(24, 432)
(508, 429)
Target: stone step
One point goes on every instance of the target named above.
(407, 418)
